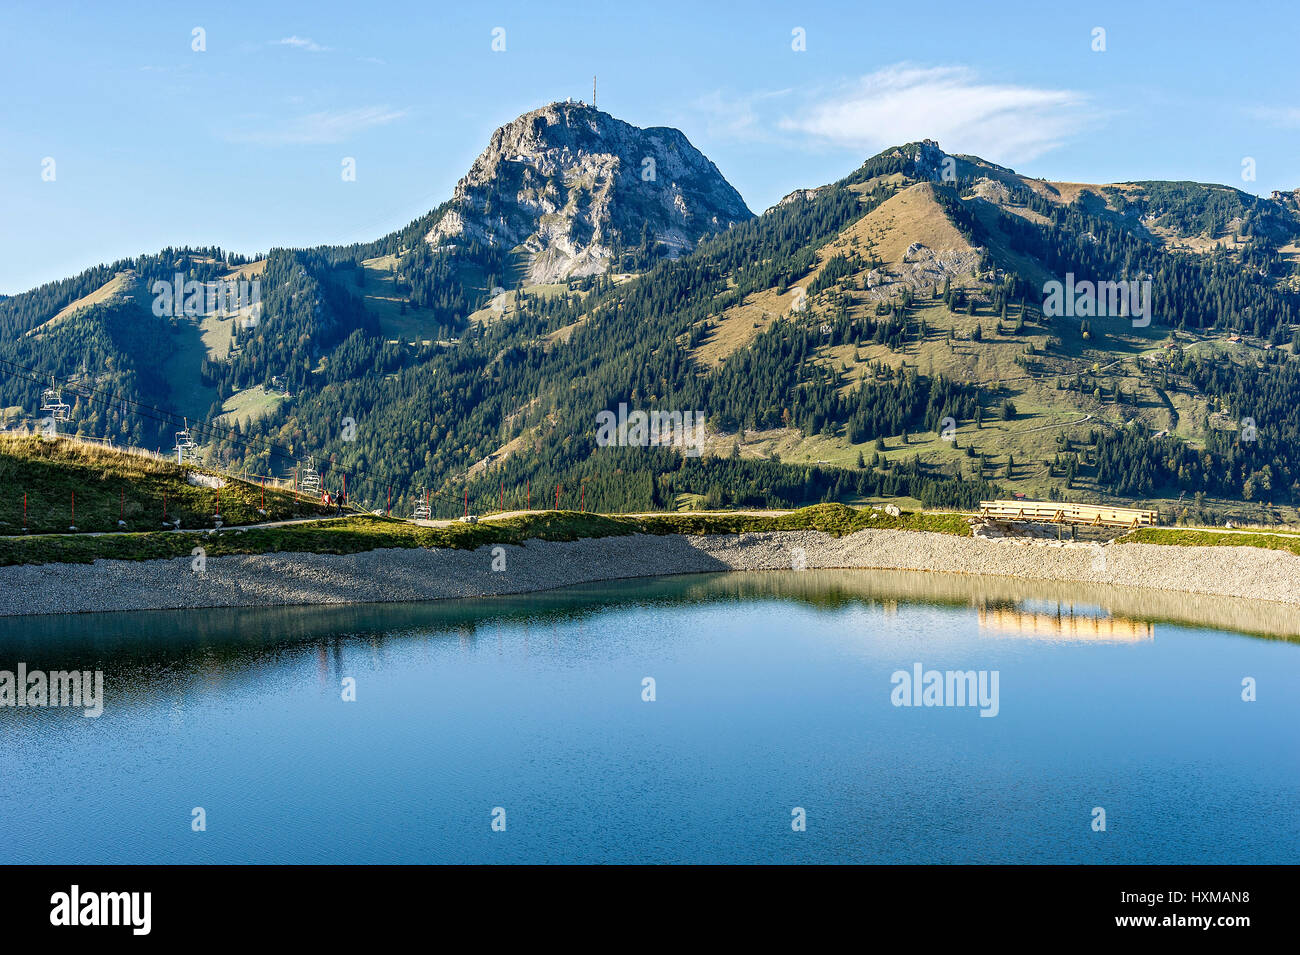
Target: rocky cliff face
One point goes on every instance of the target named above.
(566, 185)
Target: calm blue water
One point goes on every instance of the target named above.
(773, 692)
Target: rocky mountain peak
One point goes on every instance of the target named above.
(567, 185)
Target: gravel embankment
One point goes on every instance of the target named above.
(404, 574)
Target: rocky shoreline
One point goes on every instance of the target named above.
(396, 574)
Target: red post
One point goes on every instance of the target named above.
(467, 500)
(529, 506)
(557, 497)
(388, 508)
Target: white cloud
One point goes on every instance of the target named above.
(737, 117)
(314, 128)
(1283, 117)
(303, 43)
(904, 102)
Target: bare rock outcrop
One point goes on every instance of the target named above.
(567, 185)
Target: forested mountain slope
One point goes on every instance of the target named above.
(880, 336)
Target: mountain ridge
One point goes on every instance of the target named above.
(825, 340)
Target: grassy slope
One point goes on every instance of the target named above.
(198, 338)
(355, 534)
(109, 483)
(1118, 356)
(248, 405)
(189, 395)
(410, 324)
(1200, 538)
(504, 305)
(119, 284)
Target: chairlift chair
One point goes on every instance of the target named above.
(185, 444)
(52, 401)
(422, 510)
(309, 482)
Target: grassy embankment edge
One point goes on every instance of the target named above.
(1183, 537)
(359, 533)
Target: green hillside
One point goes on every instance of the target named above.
(880, 337)
(66, 482)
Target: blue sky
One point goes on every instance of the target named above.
(241, 145)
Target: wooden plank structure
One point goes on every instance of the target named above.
(1052, 512)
